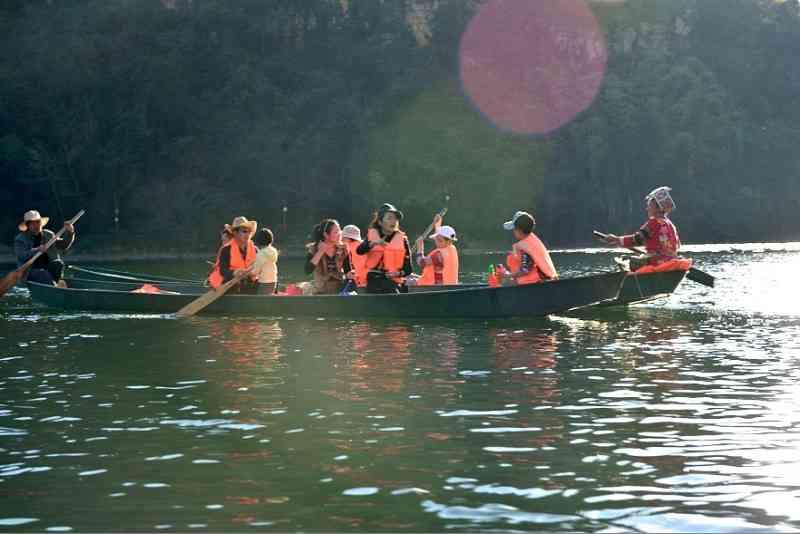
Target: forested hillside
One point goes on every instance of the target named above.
(178, 115)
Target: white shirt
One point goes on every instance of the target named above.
(266, 265)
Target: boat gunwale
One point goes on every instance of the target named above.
(417, 293)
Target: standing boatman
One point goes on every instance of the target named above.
(32, 239)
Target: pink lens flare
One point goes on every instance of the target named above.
(530, 66)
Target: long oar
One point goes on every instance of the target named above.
(12, 278)
(427, 231)
(695, 275)
(204, 300)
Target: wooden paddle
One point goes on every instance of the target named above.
(13, 278)
(204, 300)
(695, 275)
(427, 231)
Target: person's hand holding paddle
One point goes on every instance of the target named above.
(611, 239)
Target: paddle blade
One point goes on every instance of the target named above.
(10, 280)
(696, 275)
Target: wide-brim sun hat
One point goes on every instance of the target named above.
(447, 232)
(240, 222)
(509, 225)
(31, 216)
(351, 231)
(389, 208)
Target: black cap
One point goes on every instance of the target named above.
(389, 208)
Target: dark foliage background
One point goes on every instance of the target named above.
(178, 115)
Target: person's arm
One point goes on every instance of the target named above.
(364, 247)
(310, 266)
(225, 263)
(407, 268)
(347, 265)
(526, 265)
(65, 243)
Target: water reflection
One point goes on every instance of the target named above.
(674, 415)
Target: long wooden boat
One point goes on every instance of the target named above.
(533, 300)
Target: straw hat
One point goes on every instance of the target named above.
(239, 222)
(351, 231)
(31, 216)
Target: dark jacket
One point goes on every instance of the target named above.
(26, 241)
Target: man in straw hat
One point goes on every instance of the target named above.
(236, 256)
(47, 269)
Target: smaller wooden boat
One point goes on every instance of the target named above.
(532, 300)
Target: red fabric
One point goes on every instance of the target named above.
(659, 237)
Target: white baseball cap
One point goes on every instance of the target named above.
(509, 225)
(448, 232)
(351, 231)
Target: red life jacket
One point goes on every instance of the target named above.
(358, 262)
(389, 257)
(237, 261)
(449, 270)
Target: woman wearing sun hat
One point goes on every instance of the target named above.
(529, 261)
(47, 269)
(351, 236)
(658, 234)
(236, 256)
(440, 267)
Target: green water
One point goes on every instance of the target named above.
(681, 415)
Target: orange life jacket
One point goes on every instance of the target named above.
(449, 269)
(237, 261)
(389, 257)
(358, 262)
(543, 264)
(677, 264)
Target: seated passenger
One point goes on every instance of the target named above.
(529, 261)
(387, 251)
(440, 267)
(328, 259)
(351, 235)
(266, 266)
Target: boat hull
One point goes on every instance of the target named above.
(533, 300)
(638, 288)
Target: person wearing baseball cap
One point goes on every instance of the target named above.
(440, 267)
(658, 234)
(49, 267)
(529, 261)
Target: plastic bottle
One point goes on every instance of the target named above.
(492, 279)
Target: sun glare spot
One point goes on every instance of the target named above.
(531, 67)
